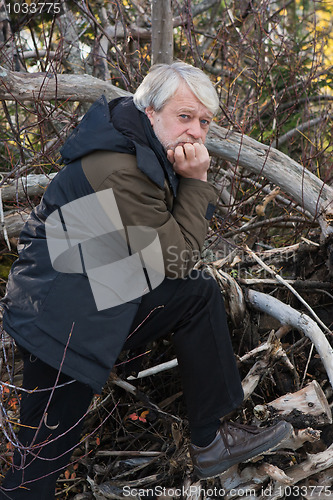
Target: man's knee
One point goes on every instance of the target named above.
(204, 282)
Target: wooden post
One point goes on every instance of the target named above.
(162, 32)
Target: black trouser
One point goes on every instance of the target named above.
(193, 310)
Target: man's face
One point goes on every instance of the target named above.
(182, 119)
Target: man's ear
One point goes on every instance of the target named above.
(150, 113)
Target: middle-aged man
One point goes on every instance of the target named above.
(89, 281)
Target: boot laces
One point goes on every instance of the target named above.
(227, 428)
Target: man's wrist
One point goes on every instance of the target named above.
(197, 178)
(202, 178)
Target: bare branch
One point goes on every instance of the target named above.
(289, 316)
(299, 129)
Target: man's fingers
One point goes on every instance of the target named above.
(171, 155)
(179, 154)
(186, 152)
(190, 151)
(201, 151)
(191, 160)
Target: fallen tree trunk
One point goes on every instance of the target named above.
(14, 223)
(31, 185)
(48, 86)
(304, 187)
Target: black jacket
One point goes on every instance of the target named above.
(53, 314)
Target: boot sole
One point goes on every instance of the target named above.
(226, 464)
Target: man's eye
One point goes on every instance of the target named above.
(184, 116)
(205, 123)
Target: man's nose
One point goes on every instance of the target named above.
(195, 129)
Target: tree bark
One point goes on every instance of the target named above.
(162, 32)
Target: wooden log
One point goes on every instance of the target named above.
(252, 378)
(299, 437)
(310, 400)
(155, 369)
(284, 282)
(304, 187)
(31, 185)
(14, 223)
(47, 86)
(275, 473)
(315, 463)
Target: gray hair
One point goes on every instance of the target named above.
(163, 80)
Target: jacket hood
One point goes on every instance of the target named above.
(120, 127)
(95, 132)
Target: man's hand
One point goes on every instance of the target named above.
(190, 160)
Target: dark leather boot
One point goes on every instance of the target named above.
(236, 443)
